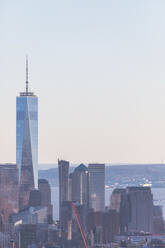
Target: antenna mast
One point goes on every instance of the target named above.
(27, 82)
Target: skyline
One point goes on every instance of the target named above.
(98, 69)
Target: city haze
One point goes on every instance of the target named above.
(98, 69)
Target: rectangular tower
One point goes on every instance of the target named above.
(97, 186)
(119, 202)
(63, 170)
(140, 209)
(27, 142)
(80, 185)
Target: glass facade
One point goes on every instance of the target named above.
(97, 186)
(27, 138)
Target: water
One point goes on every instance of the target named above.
(158, 195)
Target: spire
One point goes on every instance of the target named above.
(27, 92)
(27, 82)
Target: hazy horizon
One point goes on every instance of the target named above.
(98, 70)
(51, 166)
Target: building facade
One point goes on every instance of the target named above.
(63, 170)
(159, 225)
(80, 185)
(27, 143)
(119, 202)
(135, 208)
(45, 190)
(70, 187)
(97, 186)
(31, 215)
(103, 226)
(8, 190)
(140, 201)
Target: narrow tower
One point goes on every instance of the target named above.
(27, 142)
(63, 172)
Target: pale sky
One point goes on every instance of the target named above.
(98, 67)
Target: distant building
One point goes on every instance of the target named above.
(36, 236)
(80, 185)
(27, 235)
(31, 215)
(4, 240)
(34, 198)
(82, 214)
(97, 186)
(135, 208)
(63, 169)
(8, 190)
(70, 187)
(103, 226)
(66, 216)
(119, 202)
(140, 201)
(27, 143)
(45, 191)
(159, 227)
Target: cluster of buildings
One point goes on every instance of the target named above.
(130, 212)
(85, 189)
(26, 219)
(26, 212)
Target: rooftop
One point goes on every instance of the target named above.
(27, 94)
(81, 167)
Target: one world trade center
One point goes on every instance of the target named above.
(27, 142)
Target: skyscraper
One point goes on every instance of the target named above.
(45, 190)
(27, 142)
(63, 170)
(97, 186)
(80, 185)
(140, 209)
(119, 202)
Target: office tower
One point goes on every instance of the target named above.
(119, 202)
(97, 186)
(45, 190)
(27, 142)
(63, 170)
(140, 209)
(8, 190)
(80, 185)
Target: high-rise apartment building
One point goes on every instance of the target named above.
(63, 170)
(27, 142)
(80, 185)
(97, 186)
